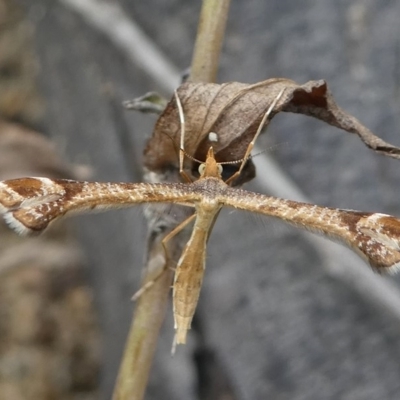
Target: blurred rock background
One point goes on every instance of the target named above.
(49, 334)
(273, 320)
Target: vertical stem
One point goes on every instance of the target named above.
(150, 311)
(210, 35)
(142, 339)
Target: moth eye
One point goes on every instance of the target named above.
(202, 167)
(220, 168)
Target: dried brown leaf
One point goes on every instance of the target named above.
(234, 111)
(315, 99)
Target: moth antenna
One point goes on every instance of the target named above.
(263, 122)
(182, 135)
(251, 156)
(191, 157)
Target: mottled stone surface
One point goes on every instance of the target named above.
(278, 326)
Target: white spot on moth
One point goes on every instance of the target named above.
(45, 181)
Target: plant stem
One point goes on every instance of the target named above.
(210, 35)
(150, 311)
(144, 332)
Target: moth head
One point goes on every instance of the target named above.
(210, 168)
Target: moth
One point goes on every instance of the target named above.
(30, 204)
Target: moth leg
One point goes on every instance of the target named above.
(164, 242)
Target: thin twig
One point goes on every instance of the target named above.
(109, 18)
(143, 335)
(210, 35)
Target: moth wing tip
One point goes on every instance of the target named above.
(16, 225)
(394, 269)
